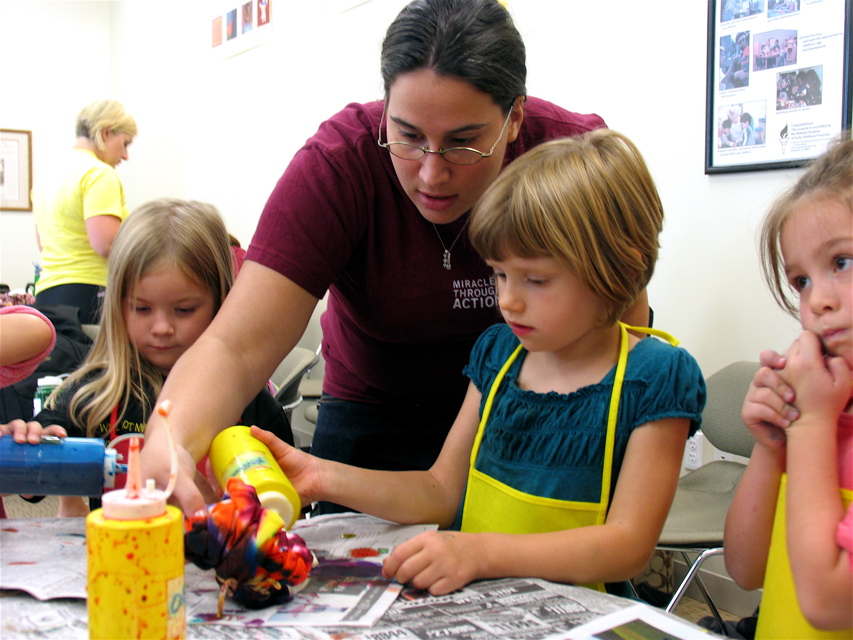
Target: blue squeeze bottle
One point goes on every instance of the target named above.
(58, 467)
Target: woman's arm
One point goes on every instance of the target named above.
(814, 508)
(102, 231)
(616, 550)
(406, 497)
(260, 321)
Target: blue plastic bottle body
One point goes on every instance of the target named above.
(62, 467)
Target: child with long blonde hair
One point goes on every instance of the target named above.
(564, 458)
(170, 269)
(790, 526)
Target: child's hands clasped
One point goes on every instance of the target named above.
(30, 432)
(768, 409)
(822, 383)
(437, 561)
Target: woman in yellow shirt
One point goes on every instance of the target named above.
(78, 210)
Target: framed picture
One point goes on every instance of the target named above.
(241, 25)
(16, 170)
(778, 83)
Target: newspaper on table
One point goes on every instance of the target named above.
(505, 609)
(47, 558)
(638, 621)
(345, 588)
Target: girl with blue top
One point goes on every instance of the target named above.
(564, 458)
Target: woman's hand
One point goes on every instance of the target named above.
(302, 469)
(437, 561)
(30, 432)
(155, 460)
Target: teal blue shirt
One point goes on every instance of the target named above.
(552, 444)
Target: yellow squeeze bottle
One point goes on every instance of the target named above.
(236, 453)
(135, 551)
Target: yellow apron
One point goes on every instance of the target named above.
(491, 505)
(780, 616)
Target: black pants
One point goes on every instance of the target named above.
(378, 436)
(86, 297)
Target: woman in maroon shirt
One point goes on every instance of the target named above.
(374, 209)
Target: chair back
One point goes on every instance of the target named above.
(721, 421)
(289, 372)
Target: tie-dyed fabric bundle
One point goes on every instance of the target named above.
(255, 558)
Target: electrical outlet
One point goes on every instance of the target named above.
(693, 451)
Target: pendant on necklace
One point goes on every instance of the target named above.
(445, 259)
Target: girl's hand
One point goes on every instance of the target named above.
(302, 469)
(773, 360)
(766, 410)
(438, 561)
(822, 383)
(30, 432)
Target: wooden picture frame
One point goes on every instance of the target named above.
(16, 170)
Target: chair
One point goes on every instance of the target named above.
(91, 330)
(311, 386)
(697, 517)
(288, 375)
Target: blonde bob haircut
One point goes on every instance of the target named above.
(187, 235)
(104, 115)
(587, 201)
(830, 177)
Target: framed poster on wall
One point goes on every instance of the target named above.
(778, 82)
(16, 170)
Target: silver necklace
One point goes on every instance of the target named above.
(445, 261)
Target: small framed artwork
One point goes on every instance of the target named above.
(239, 26)
(16, 170)
(778, 82)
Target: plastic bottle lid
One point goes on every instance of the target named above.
(112, 467)
(49, 381)
(278, 503)
(134, 502)
(149, 503)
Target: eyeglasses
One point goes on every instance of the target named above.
(455, 155)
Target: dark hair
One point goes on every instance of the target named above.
(473, 40)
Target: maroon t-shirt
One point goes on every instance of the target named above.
(399, 327)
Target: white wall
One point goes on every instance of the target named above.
(223, 131)
(55, 58)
